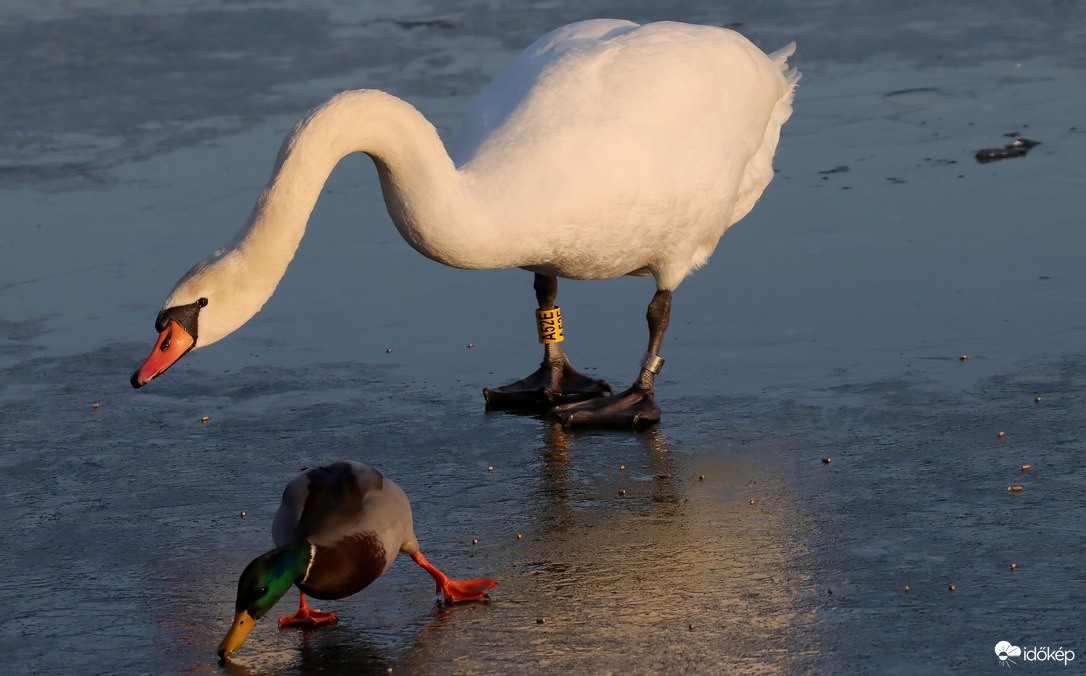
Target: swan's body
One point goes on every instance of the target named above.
(604, 149)
(608, 149)
(338, 529)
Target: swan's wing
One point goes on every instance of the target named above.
(660, 122)
(507, 90)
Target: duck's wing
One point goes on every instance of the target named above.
(355, 520)
(326, 504)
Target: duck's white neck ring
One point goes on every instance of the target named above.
(312, 558)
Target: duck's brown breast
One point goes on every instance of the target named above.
(345, 568)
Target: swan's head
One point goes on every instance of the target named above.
(211, 301)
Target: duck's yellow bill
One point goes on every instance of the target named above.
(243, 624)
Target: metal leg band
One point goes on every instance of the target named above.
(651, 363)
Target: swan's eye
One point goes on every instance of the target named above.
(202, 302)
(166, 341)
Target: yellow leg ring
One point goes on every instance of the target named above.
(549, 325)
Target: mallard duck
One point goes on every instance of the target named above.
(337, 530)
(604, 149)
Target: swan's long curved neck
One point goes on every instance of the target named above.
(427, 198)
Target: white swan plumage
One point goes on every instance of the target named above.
(606, 148)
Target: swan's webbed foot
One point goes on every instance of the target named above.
(554, 382)
(636, 407)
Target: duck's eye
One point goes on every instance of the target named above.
(263, 591)
(202, 302)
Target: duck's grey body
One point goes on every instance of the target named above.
(338, 529)
(356, 521)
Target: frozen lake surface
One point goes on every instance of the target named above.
(828, 325)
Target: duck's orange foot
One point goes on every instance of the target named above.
(466, 590)
(306, 617)
(310, 618)
(455, 590)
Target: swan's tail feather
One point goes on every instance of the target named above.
(780, 57)
(792, 76)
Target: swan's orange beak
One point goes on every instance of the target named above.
(172, 344)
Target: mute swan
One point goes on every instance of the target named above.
(337, 530)
(604, 149)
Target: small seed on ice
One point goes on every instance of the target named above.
(1025, 468)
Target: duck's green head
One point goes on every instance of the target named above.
(262, 584)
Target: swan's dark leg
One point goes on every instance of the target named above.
(555, 381)
(636, 407)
